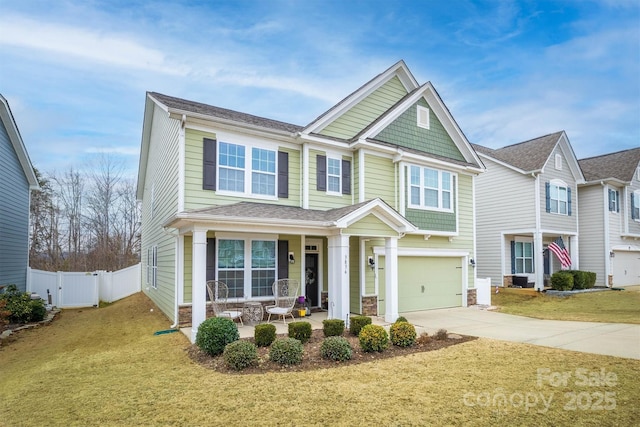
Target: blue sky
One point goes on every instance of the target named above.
(75, 73)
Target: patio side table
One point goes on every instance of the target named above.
(253, 312)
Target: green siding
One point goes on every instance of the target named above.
(320, 199)
(366, 111)
(188, 268)
(354, 275)
(197, 197)
(380, 179)
(370, 225)
(162, 180)
(405, 132)
(432, 221)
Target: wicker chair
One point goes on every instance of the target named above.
(285, 292)
(218, 294)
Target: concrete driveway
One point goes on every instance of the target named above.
(611, 339)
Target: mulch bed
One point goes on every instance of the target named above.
(312, 360)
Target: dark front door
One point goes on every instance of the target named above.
(311, 278)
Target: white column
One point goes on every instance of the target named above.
(573, 251)
(391, 279)
(338, 277)
(198, 281)
(538, 260)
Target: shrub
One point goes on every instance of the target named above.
(579, 279)
(373, 338)
(240, 354)
(356, 323)
(591, 279)
(424, 338)
(336, 348)
(23, 309)
(562, 281)
(264, 334)
(215, 333)
(286, 351)
(402, 334)
(441, 334)
(300, 331)
(332, 327)
(401, 319)
(4, 313)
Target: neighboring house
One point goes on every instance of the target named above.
(610, 217)
(526, 201)
(370, 206)
(17, 179)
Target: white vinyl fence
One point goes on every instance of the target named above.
(66, 289)
(483, 291)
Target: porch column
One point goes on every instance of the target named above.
(338, 277)
(391, 279)
(198, 281)
(538, 260)
(574, 253)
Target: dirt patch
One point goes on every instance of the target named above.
(311, 357)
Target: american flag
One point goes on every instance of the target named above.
(558, 248)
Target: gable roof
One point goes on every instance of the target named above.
(18, 145)
(620, 166)
(531, 156)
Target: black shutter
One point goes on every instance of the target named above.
(569, 201)
(209, 164)
(617, 201)
(321, 173)
(283, 174)
(283, 259)
(547, 196)
(211, 260)
(346, 177)
(513, 257)
(633, 206)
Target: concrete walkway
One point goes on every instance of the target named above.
(611, 339)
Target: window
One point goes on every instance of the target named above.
(235, 176)
(523, 257)
(635, 205)
(152, 267)
(334, 175)
(261, 271)
(263, 175)
(614, 201)
(423, 117)
(231, 167)
(430, 189)
(558, 197)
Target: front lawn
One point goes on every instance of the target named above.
(104, 366)
(605, 306)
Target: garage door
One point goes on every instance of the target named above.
(429, 282)
(626, 268)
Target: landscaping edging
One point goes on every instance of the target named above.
(48, 318)
(553, 292)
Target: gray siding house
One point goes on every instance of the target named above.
(610, 219)
(526, 202)
(17, 179)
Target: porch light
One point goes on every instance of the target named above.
(292, 260)
(472, 262)
(372, 263)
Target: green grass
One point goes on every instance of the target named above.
(104, 367)
(606, 306)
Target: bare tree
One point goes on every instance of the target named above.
(70, 192)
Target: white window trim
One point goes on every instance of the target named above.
(453, 189)
(152, 266)
(560, 184)
(532, 257)
(338, 158)
(248, 170)
(423, 112)
(636, 197)
(616, 195)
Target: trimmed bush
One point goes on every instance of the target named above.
(356, 323)
(215, 333)
(240, 354)
(562, 281)
(38, 310)
(336, 348)
(373, 338)
(402, 334)
(264, 334)
(579, 278)
(300, 331)
(22, 308)
(441, 334)
(591, 279)
(286, 351)
(401, 319)
(332, 327)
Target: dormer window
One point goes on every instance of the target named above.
(423, 117)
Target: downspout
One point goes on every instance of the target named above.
(607, 241)
(537, 238)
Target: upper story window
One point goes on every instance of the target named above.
(245, 170)
(558, 197)
(333, 175)
(635, 205)
(614, 201)
(430, 189)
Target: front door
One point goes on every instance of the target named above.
(311, 278)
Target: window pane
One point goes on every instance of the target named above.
(231, 180)
(262, 282)
(263, 160)
(431, 198)
(415, 175)
(446, 200)
(333, 184)
(263, 184)
(431, 178)
(528, 265)
(519, 249)
(415, 195)
(231, 254)
(234, 279)
(263, 254)
(446, 181)
(519, 265)
(333, 167)
(528, 251)
(231, 155)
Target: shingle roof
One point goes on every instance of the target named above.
(620, 165)
(528, 155)
(223, 113)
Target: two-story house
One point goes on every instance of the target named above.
(527, 211)
(610, 217)
(370, 206)
(17, 180)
